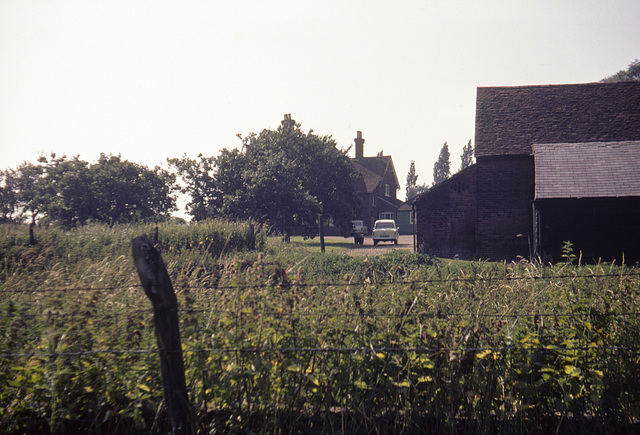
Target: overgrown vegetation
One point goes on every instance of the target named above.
(72, 192)
(281, 339)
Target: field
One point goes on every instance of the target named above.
(282, 338)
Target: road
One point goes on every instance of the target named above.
(404, 242)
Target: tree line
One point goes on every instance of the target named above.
(71, 191)
(283, 177)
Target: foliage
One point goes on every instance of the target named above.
(466, 158)
(284, 177)
(90, 244)
(199, 178)
(632, 73)
(291, 341)
(567, 252)
(413, 188)
(73, 192)
(442, 167)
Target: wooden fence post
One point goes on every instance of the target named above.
(158, 288)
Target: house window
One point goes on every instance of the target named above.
(387, 190)
(411, 217)
(387, 215)
(373, 200)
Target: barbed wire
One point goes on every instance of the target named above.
(300, 314)
(293, 283)
(348, 350)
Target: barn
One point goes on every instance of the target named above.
(549, 162)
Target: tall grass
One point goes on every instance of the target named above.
(287, 340)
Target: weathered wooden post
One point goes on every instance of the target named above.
(321, 231)
(251, 245)
(158, 288)
(32, 237)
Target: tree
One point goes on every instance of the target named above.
(466, 158)
(413, 189)
(283, 177)
(199, 178)
(442, 167)
(632, 73)
(8, 200)
(128, 192)
(71, 191)
(23, 192)
(288, 178)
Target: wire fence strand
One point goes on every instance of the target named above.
(334, 284)
(347, 350)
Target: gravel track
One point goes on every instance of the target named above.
(404, 242)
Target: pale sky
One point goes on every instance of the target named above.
(156, 79)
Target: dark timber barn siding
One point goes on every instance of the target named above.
(599, 228)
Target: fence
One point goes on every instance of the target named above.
(269, 350)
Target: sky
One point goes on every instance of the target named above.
(154, 79)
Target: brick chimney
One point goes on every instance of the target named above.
(359, 145)
(287, 122)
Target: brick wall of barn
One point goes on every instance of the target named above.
(445, 218)
(505, 191)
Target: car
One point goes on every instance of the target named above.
(358, 227)
(385, 230)
(357, 231)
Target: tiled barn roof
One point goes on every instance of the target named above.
(510, 119)
(587, 170)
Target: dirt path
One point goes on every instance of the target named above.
(404, 242)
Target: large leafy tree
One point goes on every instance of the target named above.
(67, 190)
(288, 177)
(127, 192)
(442, 167)
(284, 177)
(413, 188)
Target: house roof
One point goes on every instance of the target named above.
(510, 119)
(587, 170)
(374, 169)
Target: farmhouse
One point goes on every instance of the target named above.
(379, 186)
(554, 163)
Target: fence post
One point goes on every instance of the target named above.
(158, 288)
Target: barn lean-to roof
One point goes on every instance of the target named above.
(587, 170)
(510, 119)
